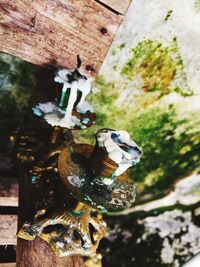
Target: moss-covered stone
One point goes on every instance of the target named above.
(158, 66)
(163, 238)
(170, 146)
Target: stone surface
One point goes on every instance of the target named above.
(159, 238)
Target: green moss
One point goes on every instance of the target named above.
(113, 52)
(169, 13)
(163, 135)
(115, 67)
(121, 46)
(197, 5)
(157, 65)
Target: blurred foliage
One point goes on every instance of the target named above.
(17, 81)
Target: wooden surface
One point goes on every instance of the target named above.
(10, 264)
(120, 6)
(8, 191)
(8, 229)
(38, 254)
(53, 32)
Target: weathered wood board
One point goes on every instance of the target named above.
(47, 32)
(119, 6)
(8, 229)
(38, 254)
(10, 264)
(8, 191)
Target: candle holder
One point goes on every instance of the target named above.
(73, 184)
(94, 181)
(97, 175)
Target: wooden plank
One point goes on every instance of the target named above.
(38, 254)
(120, 6)
(8, 191)
(47, 32)
(9, 264)
(8, 229)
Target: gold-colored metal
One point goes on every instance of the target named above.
(68, 233)
(94, 261)
(75, 229)
(102, 165)
(79, 206)
(55, 133)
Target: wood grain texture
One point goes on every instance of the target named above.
(10, 264)
(38, 254)
(8, 191)
(53, 32)
(8, 229)
(120, 6)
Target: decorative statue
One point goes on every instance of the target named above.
(73, 184)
